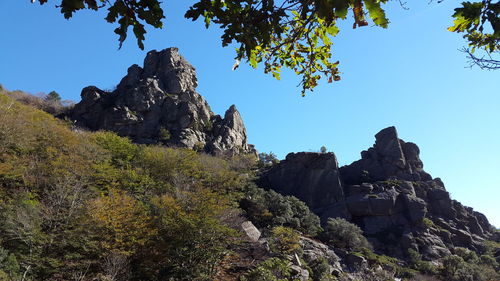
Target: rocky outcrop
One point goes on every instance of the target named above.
(387, 193)
(389, 158)
(312, 177)
(158, 103)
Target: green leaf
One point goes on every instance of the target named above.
(333, 30)
(276, 75)
(377, 14)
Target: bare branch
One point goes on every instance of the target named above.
(486, 62)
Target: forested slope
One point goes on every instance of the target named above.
(79, 205)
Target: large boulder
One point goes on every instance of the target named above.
(251, 232)
(158, 103)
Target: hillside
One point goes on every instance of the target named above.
(79, 202)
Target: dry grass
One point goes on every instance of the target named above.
(39, 101)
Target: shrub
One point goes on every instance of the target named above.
(369, 274)
(466, 254)
(345, 235)
(421, 277)
(451, 265)
(122, 223)
(428, 223)
(320, 270)
(9, 267)
(164, 135)
(284, 241)
(488, 261)
(243, 162)
(457, 268)
(121, 149)
(193, 240)
(415, 261)
(273, 269)
(199, 147)
(268, 209)
(267, 159)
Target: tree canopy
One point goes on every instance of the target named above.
(480, 22)
(295, 34)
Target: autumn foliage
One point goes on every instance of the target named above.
(76, 205)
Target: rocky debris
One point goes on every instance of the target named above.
(313, 250)
(312, 177)
(158, 103)
(387, 193)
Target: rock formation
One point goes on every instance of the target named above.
(312, 177)
(158, 103)
(389, 158)
(387, 193)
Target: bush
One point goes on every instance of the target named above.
(268, 209)
(121, 149)
(466, 254)
(193, 240)
(284, 241)
(164, 135)
(267, 159)
(456, 268)
(320, 270)
(428, 223)
(121, 222)
(345, 235)
(415, 261)
(199, 147)
(273, 269)
(488, 261)
(369, 274)
(9, 267)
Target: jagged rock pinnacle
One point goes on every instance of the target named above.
(389, 157)
(158, 103)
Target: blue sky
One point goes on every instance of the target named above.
(410, 75)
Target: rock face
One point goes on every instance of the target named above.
(312, 177)
(158, 103)
(387, 193)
